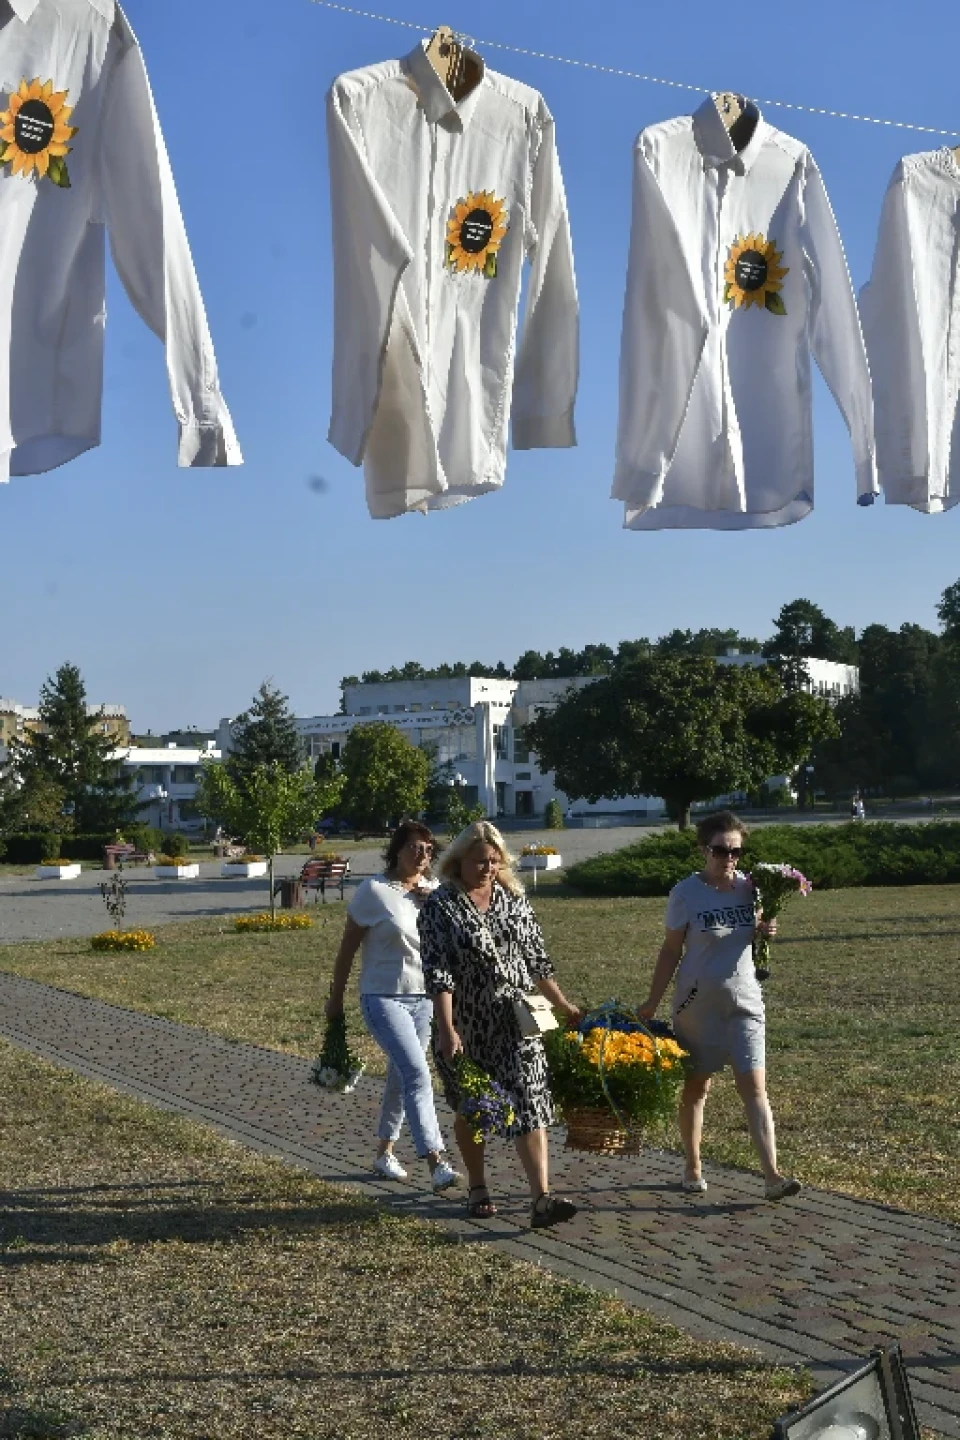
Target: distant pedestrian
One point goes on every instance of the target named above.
(718, 1012)
(382, 924)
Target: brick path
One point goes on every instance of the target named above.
(816, 1281)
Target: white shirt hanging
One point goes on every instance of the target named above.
(736, 273)
(436, 204)
(81, 154)
(911, 323)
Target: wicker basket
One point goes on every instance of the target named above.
(597, 1132)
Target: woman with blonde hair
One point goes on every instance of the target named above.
(482, 948)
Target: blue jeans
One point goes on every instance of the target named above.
(400, 1024)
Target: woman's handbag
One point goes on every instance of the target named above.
(534, 1015)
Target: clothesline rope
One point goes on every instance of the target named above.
(635, 75)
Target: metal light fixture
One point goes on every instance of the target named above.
(874, 1403)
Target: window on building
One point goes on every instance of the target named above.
(364, 710)
(184, 774)
(335, 749)
(521, 750)
(501, 742)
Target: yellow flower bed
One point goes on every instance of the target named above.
(539, 850)
(266, 921)
(123, 940)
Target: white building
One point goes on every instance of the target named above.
(166, 779)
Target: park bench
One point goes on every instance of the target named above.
(318, 874)
(124, 854)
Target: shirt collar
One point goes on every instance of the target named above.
(435, 98)
(24, 9)
(714, 143)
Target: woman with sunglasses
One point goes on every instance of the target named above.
(382, 924)
(718, 1010)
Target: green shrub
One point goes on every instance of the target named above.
(175, 845)
(147, 838)
(85, 847)
(31, 849)
(834, 857)
(553, 816)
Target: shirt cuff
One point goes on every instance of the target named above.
(638, 488)
(208, 446)
(868, 486)
(544, 432)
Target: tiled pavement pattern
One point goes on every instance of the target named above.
(816, 1281)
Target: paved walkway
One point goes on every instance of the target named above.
(816, 1281)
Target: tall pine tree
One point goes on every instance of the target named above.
(266, 734)
(71, 751)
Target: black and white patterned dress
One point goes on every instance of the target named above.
(485, 960)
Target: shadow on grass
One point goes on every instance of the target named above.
(36, 1228)
(17, 1423)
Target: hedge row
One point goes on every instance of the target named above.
(834, 857)
(31, 848)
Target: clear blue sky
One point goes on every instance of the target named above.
(178, 591)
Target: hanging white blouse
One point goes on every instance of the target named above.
(436, 204)
(736, 273)
(81, 157)
(911, 323)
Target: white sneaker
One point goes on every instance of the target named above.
(389, 1167)
(444, 1176)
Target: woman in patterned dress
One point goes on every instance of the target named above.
(481, 947)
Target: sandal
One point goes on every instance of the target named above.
(548, 1210)
(483, 1209)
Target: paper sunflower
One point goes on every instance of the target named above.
(34, 132)
(475, 231)
(754, 275)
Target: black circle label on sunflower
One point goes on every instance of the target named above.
(750, 270)
(476, 231)
(33, 127)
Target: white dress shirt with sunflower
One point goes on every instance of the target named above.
(34, 132)
(753, 274)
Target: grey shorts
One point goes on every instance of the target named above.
(722, 1025)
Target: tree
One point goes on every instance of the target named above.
(269, 808)
(384, 776)
(266, 734)
(683, 728)
(71, 753)
(803, 632)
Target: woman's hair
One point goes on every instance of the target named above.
(717, 823)
(483, 833)
(405, 831)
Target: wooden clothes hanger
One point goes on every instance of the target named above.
(459, 67)
(738, 116)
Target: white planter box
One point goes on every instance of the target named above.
(176, 872)
(541, 862)
(68, 871)
(256, 867)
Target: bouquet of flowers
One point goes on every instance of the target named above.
(773, 885)
(337, 1067)
(484, 1104)
(612, 1078)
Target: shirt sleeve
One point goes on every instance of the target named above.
(890, 311)
(152, 255)
(664, 332)
(433, 923)
(365, 908)
(532, 943)
(547, 373)
(835, 335)
(677, 917)
(370, 254)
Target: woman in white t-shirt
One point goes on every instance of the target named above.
(718, 1013)
(382, 925)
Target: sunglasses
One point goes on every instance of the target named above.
(731, 852)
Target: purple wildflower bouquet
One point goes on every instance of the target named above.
(773, 885)
(484, 1104)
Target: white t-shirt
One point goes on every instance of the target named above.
(719, 940)
(390, 963)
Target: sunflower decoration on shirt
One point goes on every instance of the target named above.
(475, 232)
(34, 132)
(754, 275)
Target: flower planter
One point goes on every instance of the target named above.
(69, 870)
(256, 867)
(176, 872)
(541, 862)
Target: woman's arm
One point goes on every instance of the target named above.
(352, 940)
(551, 990)
(667, 961)
(450, 1042)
